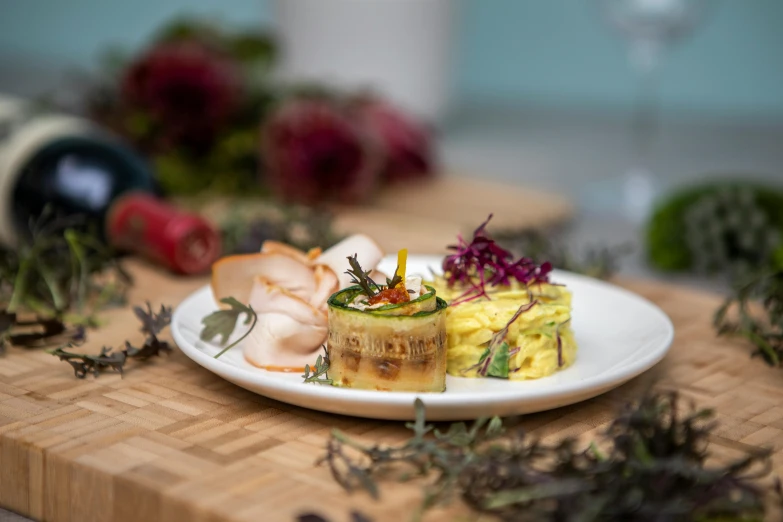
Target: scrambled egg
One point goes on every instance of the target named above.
(471, 325)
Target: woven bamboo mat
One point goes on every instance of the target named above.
(172, 442)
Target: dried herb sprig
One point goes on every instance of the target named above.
(599, 261)
(223, 322)
(245, 229)
(35, 332)
(361, 277)
(655, 468)
(84, 364)
(356, 516)
(395, 280)
(755, 312)
(152, 324)
(318, 374)
(447, 454)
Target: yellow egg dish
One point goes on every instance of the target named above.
(471, 325)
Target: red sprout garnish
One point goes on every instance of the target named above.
(482, 263)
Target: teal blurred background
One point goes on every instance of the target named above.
(527, 52)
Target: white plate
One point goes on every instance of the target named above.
(619, 335)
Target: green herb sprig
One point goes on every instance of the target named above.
(250, 223)
(318, 374)
(152, 324)
(54, 283)
(599, 261)
(755, 312)
(361, 277)
(655, 467)
(356, 516)
(395, 280)
(223, 322)
(84, 364)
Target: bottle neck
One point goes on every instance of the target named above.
(143, 224)
(66, 162)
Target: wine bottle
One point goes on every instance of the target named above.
(71, 166)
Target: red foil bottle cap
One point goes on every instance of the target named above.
(184, 242)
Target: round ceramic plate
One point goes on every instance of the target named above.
(619, 336)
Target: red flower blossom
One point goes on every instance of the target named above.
(314, 153)
(189, 89)
(407, 144)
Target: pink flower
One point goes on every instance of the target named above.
(407, 144)
(315, 153)
(189, 89)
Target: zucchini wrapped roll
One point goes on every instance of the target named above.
(390, 346)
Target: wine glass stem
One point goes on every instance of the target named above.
(645, 59)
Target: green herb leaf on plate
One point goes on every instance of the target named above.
(318, 374)
(223, 322)
(361, 277)
(498, 365)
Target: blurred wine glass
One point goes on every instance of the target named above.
(650, 28)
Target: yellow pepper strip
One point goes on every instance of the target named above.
(402, 260)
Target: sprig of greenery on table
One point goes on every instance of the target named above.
(755, 312)
(655, 467)
(599, 261)
(152, 324)
(252, 222)
(720, 227)
(54, 283)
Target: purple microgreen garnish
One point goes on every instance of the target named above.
(483, 262)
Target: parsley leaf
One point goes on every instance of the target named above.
(222, 323)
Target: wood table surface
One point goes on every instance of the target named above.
(424, 216)
(170, 441)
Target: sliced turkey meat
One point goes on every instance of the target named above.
(367, 251)
(289, 329)
(233, 276)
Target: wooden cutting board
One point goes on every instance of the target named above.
(170, 441)
(446, 206)
(425, 216)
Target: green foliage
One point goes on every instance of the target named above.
(61, 268)
(656, 466)
(754, 312)
(231, 167)
(666, 242)
(599, 261)
(319, 373)
(225, 160)
(221, 323)
(361, 277)
(152, 324)
(250, 47)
